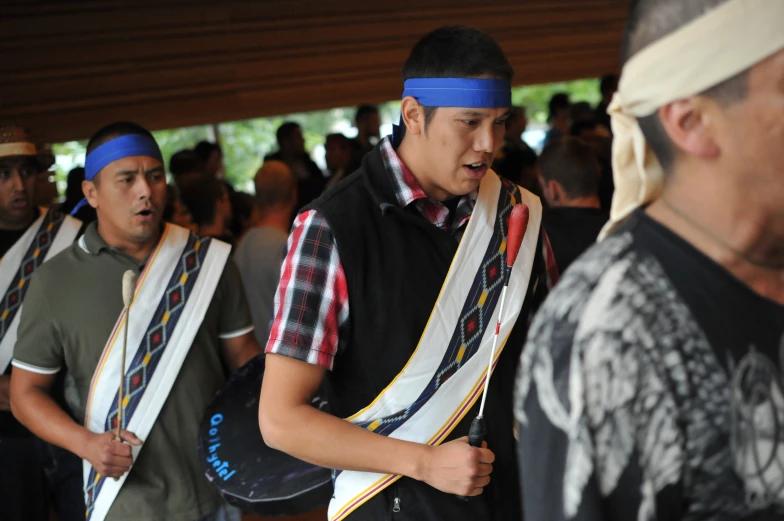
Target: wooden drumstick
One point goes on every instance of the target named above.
(128, 287)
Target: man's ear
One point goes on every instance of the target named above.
(690, 125)
(413, 116)
(90, 192)
(556, 191)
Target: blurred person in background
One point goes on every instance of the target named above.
(186, 166)
(559, 117)
(259, 254)
(211, 157)
(209, 204)
(607, 87)
(245, 214)
(338, 157)
(569, 174)
(291, 150)
(175, 212)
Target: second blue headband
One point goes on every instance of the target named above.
(119, 148)
(477, 93)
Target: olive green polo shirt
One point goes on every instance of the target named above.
(71, 306)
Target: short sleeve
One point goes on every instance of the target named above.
(311, 302)
(38, 347)
(235, 319)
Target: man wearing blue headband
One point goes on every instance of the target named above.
(187, 317)
(390, 291)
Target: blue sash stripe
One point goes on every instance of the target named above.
(33, 258)
(155, 341)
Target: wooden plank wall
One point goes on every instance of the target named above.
(66, 68)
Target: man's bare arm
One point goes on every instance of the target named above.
(289, 423)
(32, 405)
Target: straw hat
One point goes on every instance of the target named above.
(16, 141)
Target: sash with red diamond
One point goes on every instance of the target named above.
(441, 381)
(172, 296)
(51, 233)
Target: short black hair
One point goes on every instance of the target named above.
(573, 164)
(172, 194)
(203, 149)
(185, 162)
(652, 20)
(456, 51)
(242, 206)
(518, 111)
(341, 139)
(558, 101)
(579, 127)
(115, 130)
(286, 130)
(364, 110)
(201, 198)
(73, 190)
(608, 84)
(582, 111)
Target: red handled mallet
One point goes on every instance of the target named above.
(518, 223)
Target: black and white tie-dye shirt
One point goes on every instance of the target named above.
(652, 388)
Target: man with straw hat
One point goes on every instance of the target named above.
(651, 386)
(28, 236)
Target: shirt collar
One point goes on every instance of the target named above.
(92, 243)
(407, 188)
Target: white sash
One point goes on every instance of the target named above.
(436, 419)
(57, 233)
(152, 308)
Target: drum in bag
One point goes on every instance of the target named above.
(250, 475)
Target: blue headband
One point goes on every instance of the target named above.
(118, 148)
(475, 93)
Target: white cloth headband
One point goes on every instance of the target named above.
(713, 48)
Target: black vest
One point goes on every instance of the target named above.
(395, 263)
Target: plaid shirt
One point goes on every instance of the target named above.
(311, 304)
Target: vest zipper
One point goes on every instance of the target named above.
(396, 506)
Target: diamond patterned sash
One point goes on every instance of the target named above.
(33, 258)
(153, 345)
(475, 318)
(446, 372)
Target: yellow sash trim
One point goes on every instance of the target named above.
(442, 433)
(432, 314)
(119, 326)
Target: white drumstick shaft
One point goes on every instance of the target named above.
(128, 288)
(492, 351)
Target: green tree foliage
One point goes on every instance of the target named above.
(245, 143)
(536, 97)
